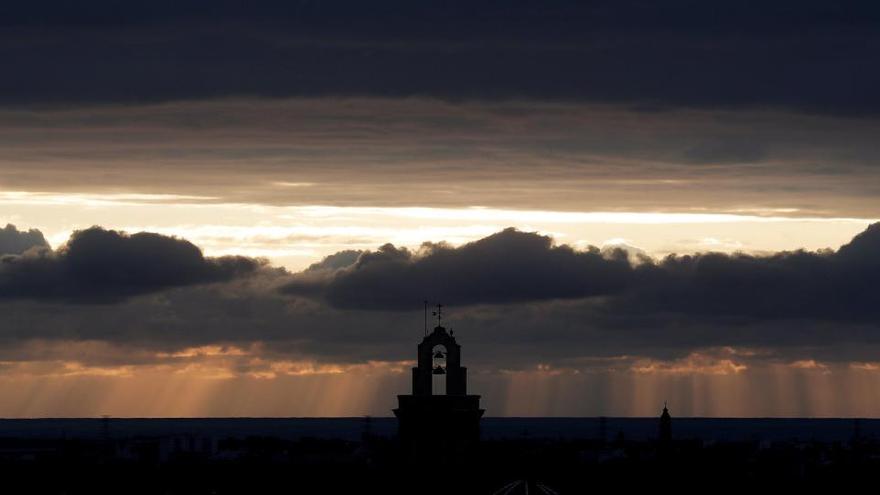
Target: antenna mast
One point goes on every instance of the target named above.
(426, 317)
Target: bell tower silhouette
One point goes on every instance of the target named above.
(442, 427)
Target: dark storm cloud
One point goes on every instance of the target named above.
(806, 55)
(514, 266)
(14, 241)
(516, 300)
(828, 286)
(506, 267)
(100, 266)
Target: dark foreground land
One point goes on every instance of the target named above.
(543, 456)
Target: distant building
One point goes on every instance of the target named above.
(665, 427)
(434, 424)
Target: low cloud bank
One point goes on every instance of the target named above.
(513, 266)
(101, 266)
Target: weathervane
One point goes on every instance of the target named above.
(439, 314)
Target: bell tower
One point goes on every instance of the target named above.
(441, 427)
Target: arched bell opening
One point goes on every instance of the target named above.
(438, 370)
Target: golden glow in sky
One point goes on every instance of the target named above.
(296, 236)
(294, 180)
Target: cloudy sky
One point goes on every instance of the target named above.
(228, 209)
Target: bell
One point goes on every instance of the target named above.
(438, 370)
(439, 355)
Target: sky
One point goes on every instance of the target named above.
(237, 209)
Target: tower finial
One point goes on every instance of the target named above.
(439, 314)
